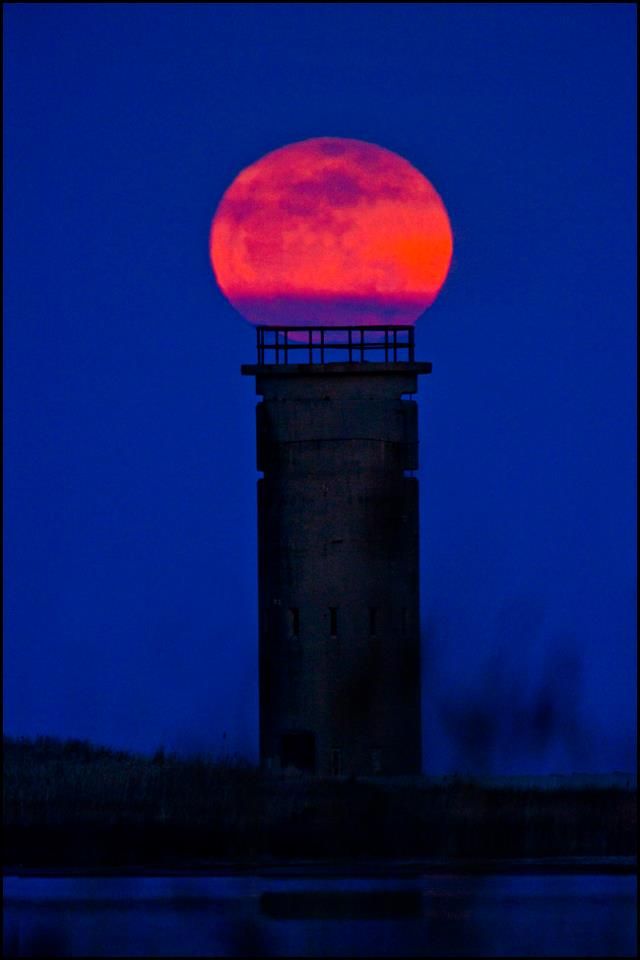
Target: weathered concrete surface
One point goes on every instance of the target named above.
(338, 568)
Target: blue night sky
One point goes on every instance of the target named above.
(130, 501)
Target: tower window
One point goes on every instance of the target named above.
(294, 621)
(403, 620)
(333, 621)
(372, 621)
(336, 763)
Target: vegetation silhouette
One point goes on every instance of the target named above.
(73, 804)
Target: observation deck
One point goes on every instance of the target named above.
(306, 350)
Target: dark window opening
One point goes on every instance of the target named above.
(376, 761)
(299, 750)
(333, 621)
(336, 763)
(403, 621)
(294, 621)
(372, 621)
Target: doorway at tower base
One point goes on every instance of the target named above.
(299, 755)
(298, 750)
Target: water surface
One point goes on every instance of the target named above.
(441, 915)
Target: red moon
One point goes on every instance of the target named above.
(331, 232)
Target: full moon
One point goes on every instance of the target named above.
(331, 232)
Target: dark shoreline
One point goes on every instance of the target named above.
(553, 866)
(72, 806)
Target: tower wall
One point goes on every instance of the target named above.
(338, 558)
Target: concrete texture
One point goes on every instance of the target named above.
(338, 568)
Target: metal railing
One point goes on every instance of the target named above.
(319, 345)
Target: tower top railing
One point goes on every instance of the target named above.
(319, 345)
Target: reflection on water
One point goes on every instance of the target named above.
(587, 915)
(341, 904)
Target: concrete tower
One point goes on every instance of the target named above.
(339, 620)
